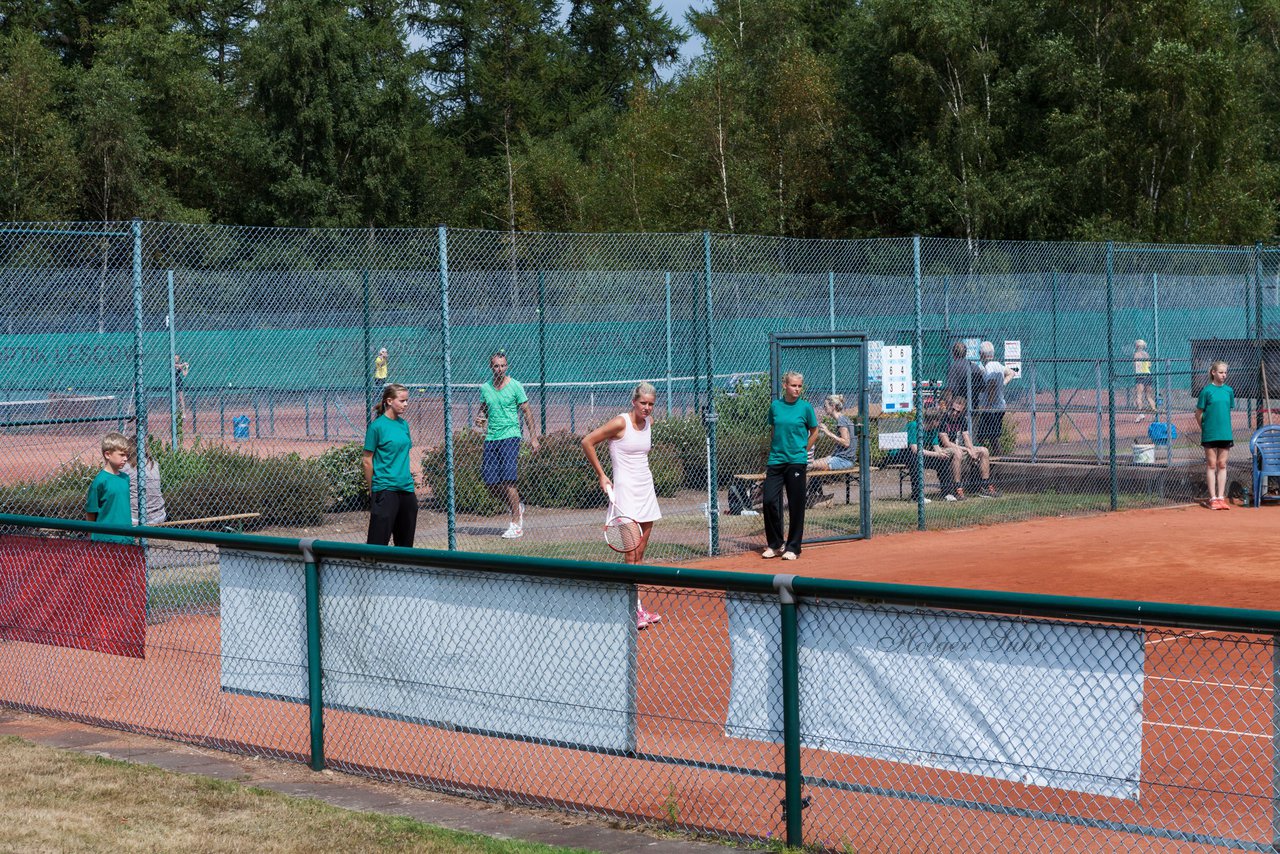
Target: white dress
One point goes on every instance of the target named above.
(633, 492)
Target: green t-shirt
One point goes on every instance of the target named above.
(791, 425)
(388, 439)
(1216, 401)
(913, 432)
(109, 498)
(503, 407)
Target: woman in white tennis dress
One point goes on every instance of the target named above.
(630, 438)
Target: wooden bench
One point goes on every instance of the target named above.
(238, 518)
(755, 485)
(904, 476)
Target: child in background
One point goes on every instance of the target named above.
(108, 498)
(381, 368)
(1213, 413)
(156, 512)
(1145, 398)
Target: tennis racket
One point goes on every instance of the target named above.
(621, 533)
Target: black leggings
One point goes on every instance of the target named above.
(790, 477)
(393, 513)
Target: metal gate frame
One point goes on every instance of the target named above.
(780, 341)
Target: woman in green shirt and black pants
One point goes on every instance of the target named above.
(393, 507)
(793, 429)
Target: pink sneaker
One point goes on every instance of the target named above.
(646, 618)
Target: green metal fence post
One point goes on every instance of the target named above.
(1155, 341)
(792, 779)
(1259, 332)
(442, 239)
(139, 387)
(542, 349)
(315, 682)
(919, 377)
(713, 479)
(174, 414)
(1111, 374)
(667, 279)
(831, 326)
(368, 349)
(1057, 402)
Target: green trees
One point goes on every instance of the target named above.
(979, 119)
(39, 173)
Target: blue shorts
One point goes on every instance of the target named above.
(499, 462)
(841, 463)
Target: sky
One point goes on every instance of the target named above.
(675, 10)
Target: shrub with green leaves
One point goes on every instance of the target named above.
(342, 467)
(198, 482)
(60, 497)
(556, 476)
(471, 495)
(742, 435)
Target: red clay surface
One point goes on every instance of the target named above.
(1207, 735)
(1189, 555)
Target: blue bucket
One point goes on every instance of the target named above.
(1162, 432)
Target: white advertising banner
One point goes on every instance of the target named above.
(506, 655)
(1036, 702)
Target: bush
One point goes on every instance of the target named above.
(343, 469)
(742, 435)
(559, 476)
(213, 481)
(60, 497)
(556, 476)
(471, 494)
(197, 483)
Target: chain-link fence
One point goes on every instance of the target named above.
(250, 357)
(844, 715)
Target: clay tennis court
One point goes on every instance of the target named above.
(1207, 704)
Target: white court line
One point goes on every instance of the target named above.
(1183, 637)
(1211, 729)
(1265, 689)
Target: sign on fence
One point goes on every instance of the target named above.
(510, 656)
(897, 389)
(1036, 702)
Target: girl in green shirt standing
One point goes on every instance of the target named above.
(793, 427)
(1213, 412)
(393, 506)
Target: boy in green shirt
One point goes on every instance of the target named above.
(108, 498)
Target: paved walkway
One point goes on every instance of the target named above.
(341, 790)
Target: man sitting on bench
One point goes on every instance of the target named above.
(939, 461)
(954, 439)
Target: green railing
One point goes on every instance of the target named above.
(1119, 723)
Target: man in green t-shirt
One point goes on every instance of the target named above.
(502, 404)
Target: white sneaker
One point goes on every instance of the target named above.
(788, 555)
(749, 513)
(513, 532)
(952, 498)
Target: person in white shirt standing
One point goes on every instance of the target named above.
(990, 421)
